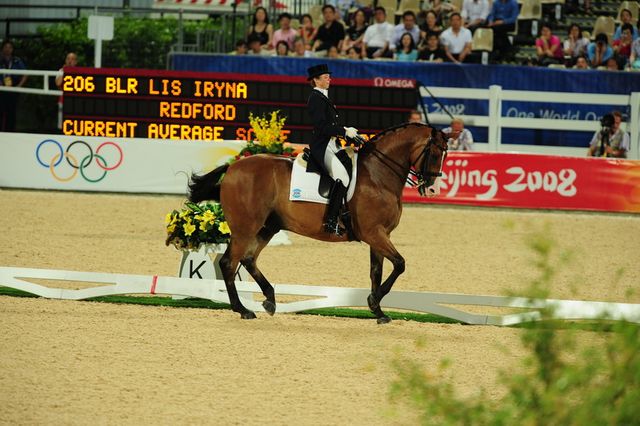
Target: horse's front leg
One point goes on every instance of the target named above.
(229, 264)
(382, 247)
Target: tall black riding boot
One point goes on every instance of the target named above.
(331, 225)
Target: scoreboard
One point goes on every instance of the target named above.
(216, 106)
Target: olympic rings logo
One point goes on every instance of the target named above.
(72, 159)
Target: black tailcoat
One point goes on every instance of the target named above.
(324, 118)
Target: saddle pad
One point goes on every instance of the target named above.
(304, 186)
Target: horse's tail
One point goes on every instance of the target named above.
(206, 187)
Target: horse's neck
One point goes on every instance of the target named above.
(390, 167)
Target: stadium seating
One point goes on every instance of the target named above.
(405, 5)
(604, 24)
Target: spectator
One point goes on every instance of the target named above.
(71, 60)
(433, 52)
(474, 13)
(353, 53)
(610, 140)
(430, 24)
(622, 46)
(460, 139)
(255, 46)
(241, 48)
(9, 100)
(575, 44)
(355, 33)
(414, 117)
(502, 20)
(625, 18)
(440, 8)
(612, 64)
(456, 40)
(408, 25)
(333, 53)
(331, 33)
(307, 30)
(406, 49)
(282, 49)
(581, 63)
(599, 52)
(285, 33)
(378, 36)
(548, 47)
(261, 28)
(300, 49)
(634, 59)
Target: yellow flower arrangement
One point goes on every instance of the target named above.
(269, 137)
(197, 224)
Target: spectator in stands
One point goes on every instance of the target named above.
(406, 49)
(622, 46)
(474, 13)
(430, 25)
(548, 47)
(261, 28)
(353, 53)
(300, 49)
(581, 63)
(612, 64)
(408, 25)
(241, 48)
(285, 33)
(255, 46)
(433, 52)
(331, 33)
(378, 36)
(575, 44)
(460, 139)
(414, 117)
(9, 100)
(456, 40)
(634, 59)
(282, 49)
(502, 20)
(307, 30)
(625, 18)
(440, 8)
(610, 141)
(71, 60)
(355, 33)
(599, 52)
(332, 53)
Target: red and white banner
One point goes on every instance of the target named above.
(537, 182)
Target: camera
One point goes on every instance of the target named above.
(607, 121)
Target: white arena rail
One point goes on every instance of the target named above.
(321, 297)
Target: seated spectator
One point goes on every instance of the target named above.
(353, 53)
(612, 64)
(440, 8)
(414, 117)
(406, 49)
(255, 46)
(332, 53)
(355, 33)
(460, 139)
(241, 48)
(282, 49)
(599, 52)
(610, 141)
(502, 20)
(625, 18)
(634, 59)
(433, 52)
(300, 49)
(285, 33)
(408, 25)
(307, 30)
(261, 28)
(474, 13)
(456, 40)
(548, 47)
(430, 25)
(622, 46)
(378, 37)
(331, 33)
(581, 63)
(575, 45)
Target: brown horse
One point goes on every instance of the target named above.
(255, 198)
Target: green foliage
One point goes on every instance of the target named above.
(558, 383)
(197, 224)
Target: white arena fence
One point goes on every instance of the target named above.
(494, 121)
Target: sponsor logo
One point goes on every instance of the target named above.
(402, 83)
(296, 193)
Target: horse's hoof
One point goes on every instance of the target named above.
(384, 320)
(248, 315)
(269, 306)
(373, 304)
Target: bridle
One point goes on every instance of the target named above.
(416, 177)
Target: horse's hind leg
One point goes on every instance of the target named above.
(381, 246)
(264, 236)
(376, 279)
(229, 264)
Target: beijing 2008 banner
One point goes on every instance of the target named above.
(537, 181)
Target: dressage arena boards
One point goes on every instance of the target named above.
(80, 362)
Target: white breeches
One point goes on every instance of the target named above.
(333, 165)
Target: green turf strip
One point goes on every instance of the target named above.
(208, 304)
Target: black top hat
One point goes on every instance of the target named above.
(317, 70)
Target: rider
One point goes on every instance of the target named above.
(325, 145)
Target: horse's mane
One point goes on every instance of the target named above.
(370, 145)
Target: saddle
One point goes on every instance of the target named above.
(326, 181)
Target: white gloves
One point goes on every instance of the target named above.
(351, 132)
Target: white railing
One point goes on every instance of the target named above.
(495, 120)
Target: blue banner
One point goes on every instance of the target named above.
(454, 75)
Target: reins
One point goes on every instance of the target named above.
(384, 159)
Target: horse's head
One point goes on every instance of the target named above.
(429, 163)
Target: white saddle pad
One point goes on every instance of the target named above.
(304, 186)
